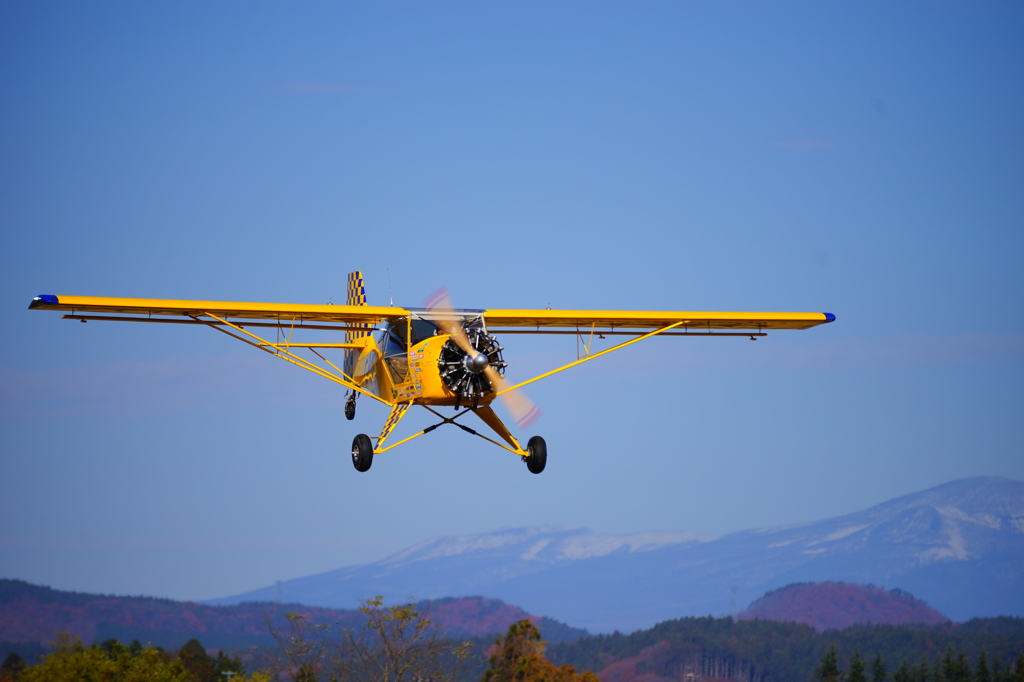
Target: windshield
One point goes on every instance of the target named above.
(421, 331)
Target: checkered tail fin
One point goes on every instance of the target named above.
(355, 295)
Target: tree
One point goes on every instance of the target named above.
(903, 673)
(301, 647)
(857, 668)
(12, 667)
(196, 661)
(879, 673)
(961, 668)
(829, 670)
(227, 664)
(920, 672)
(390, 644)
(981, 673)
(397, 644)
(520, 658)
(1018, 670)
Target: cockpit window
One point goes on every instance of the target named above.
(393, 346)
(421, 331)
(393, 342)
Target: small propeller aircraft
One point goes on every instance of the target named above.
(434, 356)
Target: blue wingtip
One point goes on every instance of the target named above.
(43, 299)
(829, 317)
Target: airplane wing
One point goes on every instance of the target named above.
(585, 320)
(144, 310)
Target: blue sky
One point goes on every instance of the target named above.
(863, 159)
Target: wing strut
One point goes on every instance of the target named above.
(591, 357)
(284, 354)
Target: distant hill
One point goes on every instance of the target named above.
(960, 546)
(834, 606)
(32, 613)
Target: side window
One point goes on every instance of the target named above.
(393, 340)
(396, 357)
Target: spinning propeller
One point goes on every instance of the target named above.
(480, 359)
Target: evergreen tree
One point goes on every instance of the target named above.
(903, 673)
(961, 668)
(945, 669)
(981, 673)
(1018, 670)
(997, 670)
(829, 670)
(857, 668)
(227, 664)
(922, 673)
(879, 673)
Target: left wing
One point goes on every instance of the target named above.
(628, 319)
(142, 309)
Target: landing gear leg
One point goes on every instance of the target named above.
(538, 458)
(350, 407)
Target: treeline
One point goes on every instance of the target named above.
(70, 661)
(402, 644)
(770, 651)
(951, 666)
(390, 644)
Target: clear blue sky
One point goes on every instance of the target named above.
(863, 159)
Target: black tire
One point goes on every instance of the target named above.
(350, 410)
(538, 458)
(362, 452)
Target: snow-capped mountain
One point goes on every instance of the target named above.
(959, 546)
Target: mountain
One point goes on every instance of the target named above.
(471, 564)
(835, 606)
(960, 546)
(32, 613)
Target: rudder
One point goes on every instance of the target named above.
(355, 295)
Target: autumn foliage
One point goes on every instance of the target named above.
(519, 657)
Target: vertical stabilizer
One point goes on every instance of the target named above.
(355, 295)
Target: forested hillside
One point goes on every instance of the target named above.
(767, 651)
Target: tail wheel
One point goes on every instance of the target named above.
(362, 452)
(538, 458)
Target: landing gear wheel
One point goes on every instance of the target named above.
(538, 450)
(350, 408)
(362, 452)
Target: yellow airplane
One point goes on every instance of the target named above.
(432, 356)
